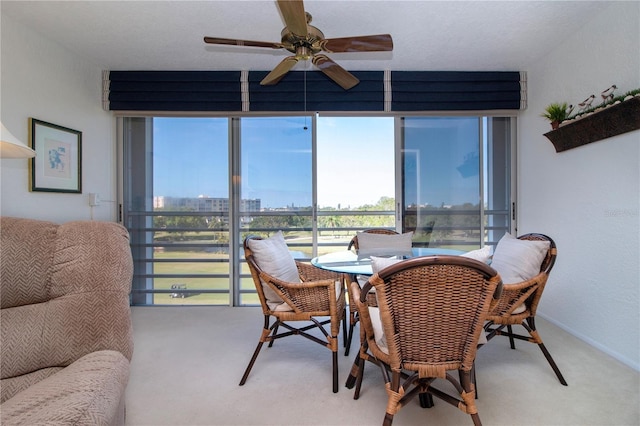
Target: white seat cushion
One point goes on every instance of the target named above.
(378, 333)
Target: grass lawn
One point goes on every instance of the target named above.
(219, 265)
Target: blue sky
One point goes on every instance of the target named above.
(355, 159)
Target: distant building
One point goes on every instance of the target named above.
(203, 204)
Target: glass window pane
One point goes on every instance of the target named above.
(356, 163)
(441, 180)
(276, 183)
(356, 172)
(497, 191)
(177, 210)
(276, 162)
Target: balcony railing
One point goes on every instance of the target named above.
(189, 250)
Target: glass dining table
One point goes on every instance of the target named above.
(350, 262)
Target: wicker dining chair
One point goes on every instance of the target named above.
(319, 298)
(519, 303)
(431, 310)
(353, 312)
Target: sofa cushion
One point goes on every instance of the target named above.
(87, 392)
(28, 248)
(11, 386)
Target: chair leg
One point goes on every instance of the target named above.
(275, 331)
(250, 366)
(476, 419)
(266, 333)
(474, 379)
(552, 363)
(426, 400)
(335, 370)
(388, 419)
(344, 330)
(467, 385)
(353, 375)
(531, 328)
(359, 377)
(347, 346)
(512, 342)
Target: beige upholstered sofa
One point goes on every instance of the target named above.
(66, 323)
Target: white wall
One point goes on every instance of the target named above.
(42, 80)
(587, 198)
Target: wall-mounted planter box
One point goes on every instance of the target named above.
(614, 120)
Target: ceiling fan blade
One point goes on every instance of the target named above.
(335, 72)
(371, 43)
(279, 71)
(294, 16)
(235, 42)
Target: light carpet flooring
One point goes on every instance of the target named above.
(188, 361)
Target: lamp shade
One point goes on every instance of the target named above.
(11, 147)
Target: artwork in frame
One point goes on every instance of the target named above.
(57, 166)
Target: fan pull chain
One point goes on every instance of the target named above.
(305, 99)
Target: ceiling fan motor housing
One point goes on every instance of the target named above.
(303, 47)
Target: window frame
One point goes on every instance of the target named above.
(235, 249)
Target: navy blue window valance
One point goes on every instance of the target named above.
(173, 91)
(300, 91)
(321, 93)
(455, 91)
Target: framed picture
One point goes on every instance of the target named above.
(57, 166)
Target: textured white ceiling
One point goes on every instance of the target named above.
(427, 35)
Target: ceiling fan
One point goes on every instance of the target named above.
(307, 41)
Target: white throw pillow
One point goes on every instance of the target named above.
(273, 257)
(518, 260)
(483, 254)
(378, 333)
(384, 244)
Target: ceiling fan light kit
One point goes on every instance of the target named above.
(307, 42)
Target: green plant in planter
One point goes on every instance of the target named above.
(556, 113)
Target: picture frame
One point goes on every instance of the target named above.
(57, 166)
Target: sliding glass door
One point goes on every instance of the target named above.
(176, 208)
(356, 178)
(275, 186)
(456, 180)
(194, 188)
